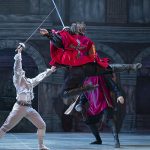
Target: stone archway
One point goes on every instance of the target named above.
(143, 54)
(30, 50)
(110, 52)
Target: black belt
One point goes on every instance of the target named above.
(24, 104)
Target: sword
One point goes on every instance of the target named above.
(71, 107)
(78, 91)
(58, 14)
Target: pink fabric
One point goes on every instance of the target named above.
(97, 98)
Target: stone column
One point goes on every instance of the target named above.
(116, 11)
(128, 83)
(50, 105)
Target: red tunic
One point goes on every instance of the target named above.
(75, 51)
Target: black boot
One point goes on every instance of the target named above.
(95, 132)
(97, 142)
(112, 125)
(117, 143)
(125, 67)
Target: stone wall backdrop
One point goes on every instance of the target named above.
(120, 30)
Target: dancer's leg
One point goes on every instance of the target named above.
(37, 120)
(15, 116)
(112, 125)
(94, 130)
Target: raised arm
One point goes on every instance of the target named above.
(35, 81)
(18, 71)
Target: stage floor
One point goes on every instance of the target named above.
(74, 141)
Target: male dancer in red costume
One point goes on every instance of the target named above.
(72, 49)
(101, 106)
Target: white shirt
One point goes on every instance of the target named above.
(24, 86)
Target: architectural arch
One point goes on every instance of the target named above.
(143, 54)
(110, 52)
(30, 50)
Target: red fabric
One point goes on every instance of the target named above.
(103, 62)
(70, 55)
(97, 98)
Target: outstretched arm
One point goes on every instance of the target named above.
(35, 81)
(53, 36)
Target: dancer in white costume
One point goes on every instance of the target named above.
(22, 108)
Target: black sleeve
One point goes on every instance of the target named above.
(55, 39)
(113, 87)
